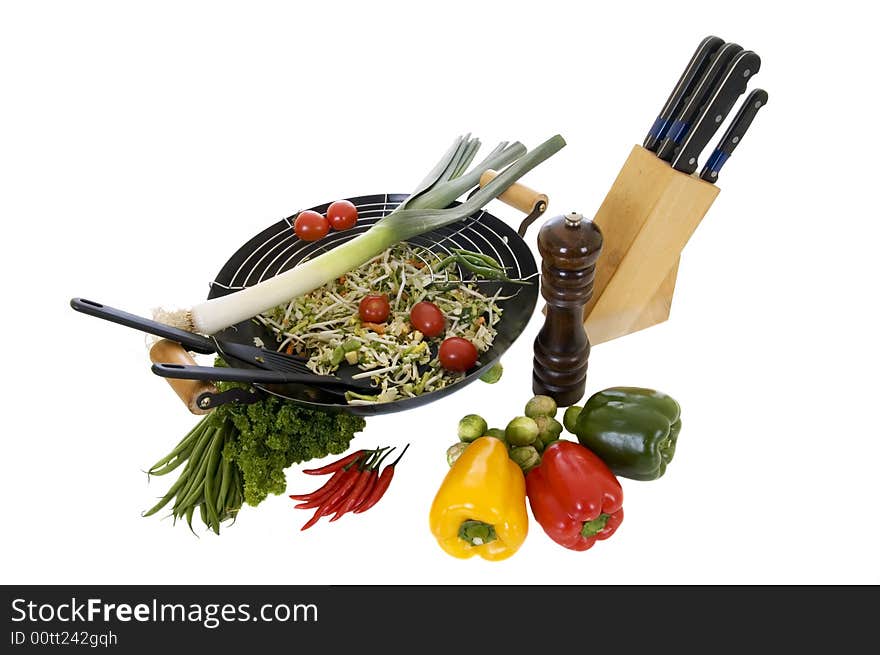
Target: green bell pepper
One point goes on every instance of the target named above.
(632, 429)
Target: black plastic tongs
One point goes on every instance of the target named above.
(259, 376)
(271, 367)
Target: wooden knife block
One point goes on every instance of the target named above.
(646, 219)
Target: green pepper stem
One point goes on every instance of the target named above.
(394, 463)
(594, 527)
(477, 533)
(380, 457)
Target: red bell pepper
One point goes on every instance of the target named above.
(574, 496)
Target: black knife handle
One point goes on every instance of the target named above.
(189, 340)
(734, 83)
(690, 76)
(683, 121)
(246, 375)
(734, 134)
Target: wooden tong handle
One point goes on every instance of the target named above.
(165, 351)
(518, 196)
(521, 197)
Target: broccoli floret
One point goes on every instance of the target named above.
(272, 434)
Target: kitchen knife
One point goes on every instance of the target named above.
(734, 134)
(701, 94)
(732, 86)
(696, 67)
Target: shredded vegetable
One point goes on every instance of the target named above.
(324, 325)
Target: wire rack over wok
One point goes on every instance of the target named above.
(278, 249)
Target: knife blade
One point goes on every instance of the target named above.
(697, 65)
(734, 134)
(691, 108)
(734, 83)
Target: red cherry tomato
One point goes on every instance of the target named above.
(457, 354)
(427, 318)
(310, 225)
(374, 308)
(342, 215)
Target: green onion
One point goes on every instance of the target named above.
(426, 209)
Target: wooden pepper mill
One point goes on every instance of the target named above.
(569, 247)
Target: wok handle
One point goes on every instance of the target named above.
(519, 196)
(189, 391)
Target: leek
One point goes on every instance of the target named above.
(426, 209)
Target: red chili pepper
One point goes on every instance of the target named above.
(362, 478)
(356, 494)
(338, 464)
(315, 498)
(368, 489)
(317, 515)
(335, 498)
(319, 500)
(322, 490)
(381, 485)
(378, 490)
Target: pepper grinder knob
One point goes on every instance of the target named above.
(570, 246)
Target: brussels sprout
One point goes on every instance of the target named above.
(454, 452)
(472, 427)
(549, 430)
(526, 457)
(541, 406)
(521, 431)
(493, 374)
(570, 418)
(498, 433)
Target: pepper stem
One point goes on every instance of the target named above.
(477, 533)
(594, 527)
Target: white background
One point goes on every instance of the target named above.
(143, 143)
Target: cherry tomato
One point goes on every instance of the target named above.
(374, 308)
(457, 354)
(427, 318)
(310, 225)
(342, 215)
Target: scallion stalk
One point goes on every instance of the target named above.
(426, 209)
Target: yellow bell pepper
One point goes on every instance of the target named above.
(480, 508)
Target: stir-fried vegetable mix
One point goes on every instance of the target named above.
(326, 326)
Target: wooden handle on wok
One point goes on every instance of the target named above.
(518, 196)
(171, 352)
